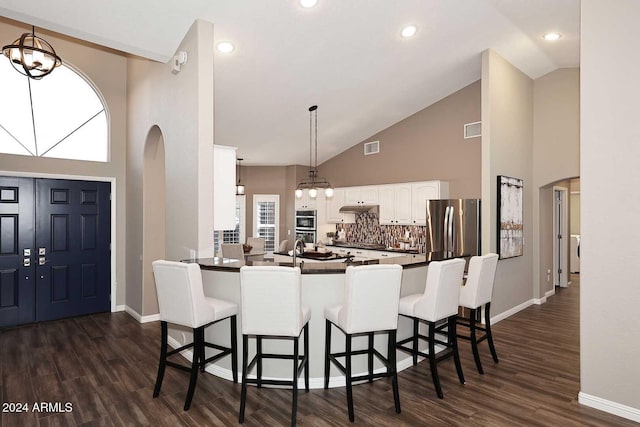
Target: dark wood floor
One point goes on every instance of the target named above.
(105, 365)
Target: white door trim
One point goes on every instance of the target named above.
(560, 227)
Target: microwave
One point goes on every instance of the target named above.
(306, 220)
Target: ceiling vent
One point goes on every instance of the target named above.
(472, 130)
(371, 148)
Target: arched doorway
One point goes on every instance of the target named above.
(153, 215)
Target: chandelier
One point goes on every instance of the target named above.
(32, 56)
(313, 182)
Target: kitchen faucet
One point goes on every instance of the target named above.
(295, 249)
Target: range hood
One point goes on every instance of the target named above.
(360, 209)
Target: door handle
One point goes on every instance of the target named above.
(26, 262)
(42, 260)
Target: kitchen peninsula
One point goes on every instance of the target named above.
(322, 286)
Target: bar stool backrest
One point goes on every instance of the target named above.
(257, 243)
(271, 301)
(233, 251)
(442, 290)
(180, 294)
(371, 296)
(478, 289)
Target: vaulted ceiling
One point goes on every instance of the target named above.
(346, 56)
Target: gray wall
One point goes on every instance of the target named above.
(609, 151)
(427, 145)
(507, 148)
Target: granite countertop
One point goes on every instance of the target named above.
(326, 267)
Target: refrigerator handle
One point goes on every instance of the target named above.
(450, 231)
(447, 228)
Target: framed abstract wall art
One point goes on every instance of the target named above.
(510, 225)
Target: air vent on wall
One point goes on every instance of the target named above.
(472, 130)
(371, 148)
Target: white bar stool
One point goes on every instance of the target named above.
(272, 309)
(438, 303)
(475, 294)
(182, 302)
(371, 295)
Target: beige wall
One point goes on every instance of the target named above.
(107, 70)
(609, 151)
(556, 154)
(574, 203)
(181, 106)
(427, 145)
(507, 149)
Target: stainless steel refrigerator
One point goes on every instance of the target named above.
(453, 225)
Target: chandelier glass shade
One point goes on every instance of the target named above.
(239, 185)
(313, 182)
(32, 56)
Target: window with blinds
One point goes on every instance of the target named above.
(266, 214)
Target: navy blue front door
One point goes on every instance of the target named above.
(70, 271)
(17, 234)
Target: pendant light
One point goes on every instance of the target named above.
(32, 56)
(313, 182)
(239, 185)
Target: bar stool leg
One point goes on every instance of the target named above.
(306, 357)
(197, 348)
(243, 390)
(294, 405)
(391, 356)
(432, 359)
(453, 342)
(416, 324)
(234, 349)
(327, 352)
(348, 377)
(163, 358)
(474, 339)
(202, 349)
(259, 362)
(370, 356)
(487, 321)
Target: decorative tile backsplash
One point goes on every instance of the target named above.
(367, 229)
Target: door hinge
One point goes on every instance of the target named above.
(559, 271)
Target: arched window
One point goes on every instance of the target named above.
(58, 116)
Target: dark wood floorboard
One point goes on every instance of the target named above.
(105, 366)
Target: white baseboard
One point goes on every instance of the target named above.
(511, 311)
(540, 301)
(140, 318)
(614, 408)
(120, 308)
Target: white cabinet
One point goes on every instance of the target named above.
(333, 205)
(361, 195)
(420, 193)
(395, 204)
(224, 187)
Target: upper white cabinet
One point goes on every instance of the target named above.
(420, 193)
(333, 205)
(395, 204)
(224, 187)
(361, 195)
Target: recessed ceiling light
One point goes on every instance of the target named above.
(409, 31)
(225, 47)
(550, 37)
(308, 3)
